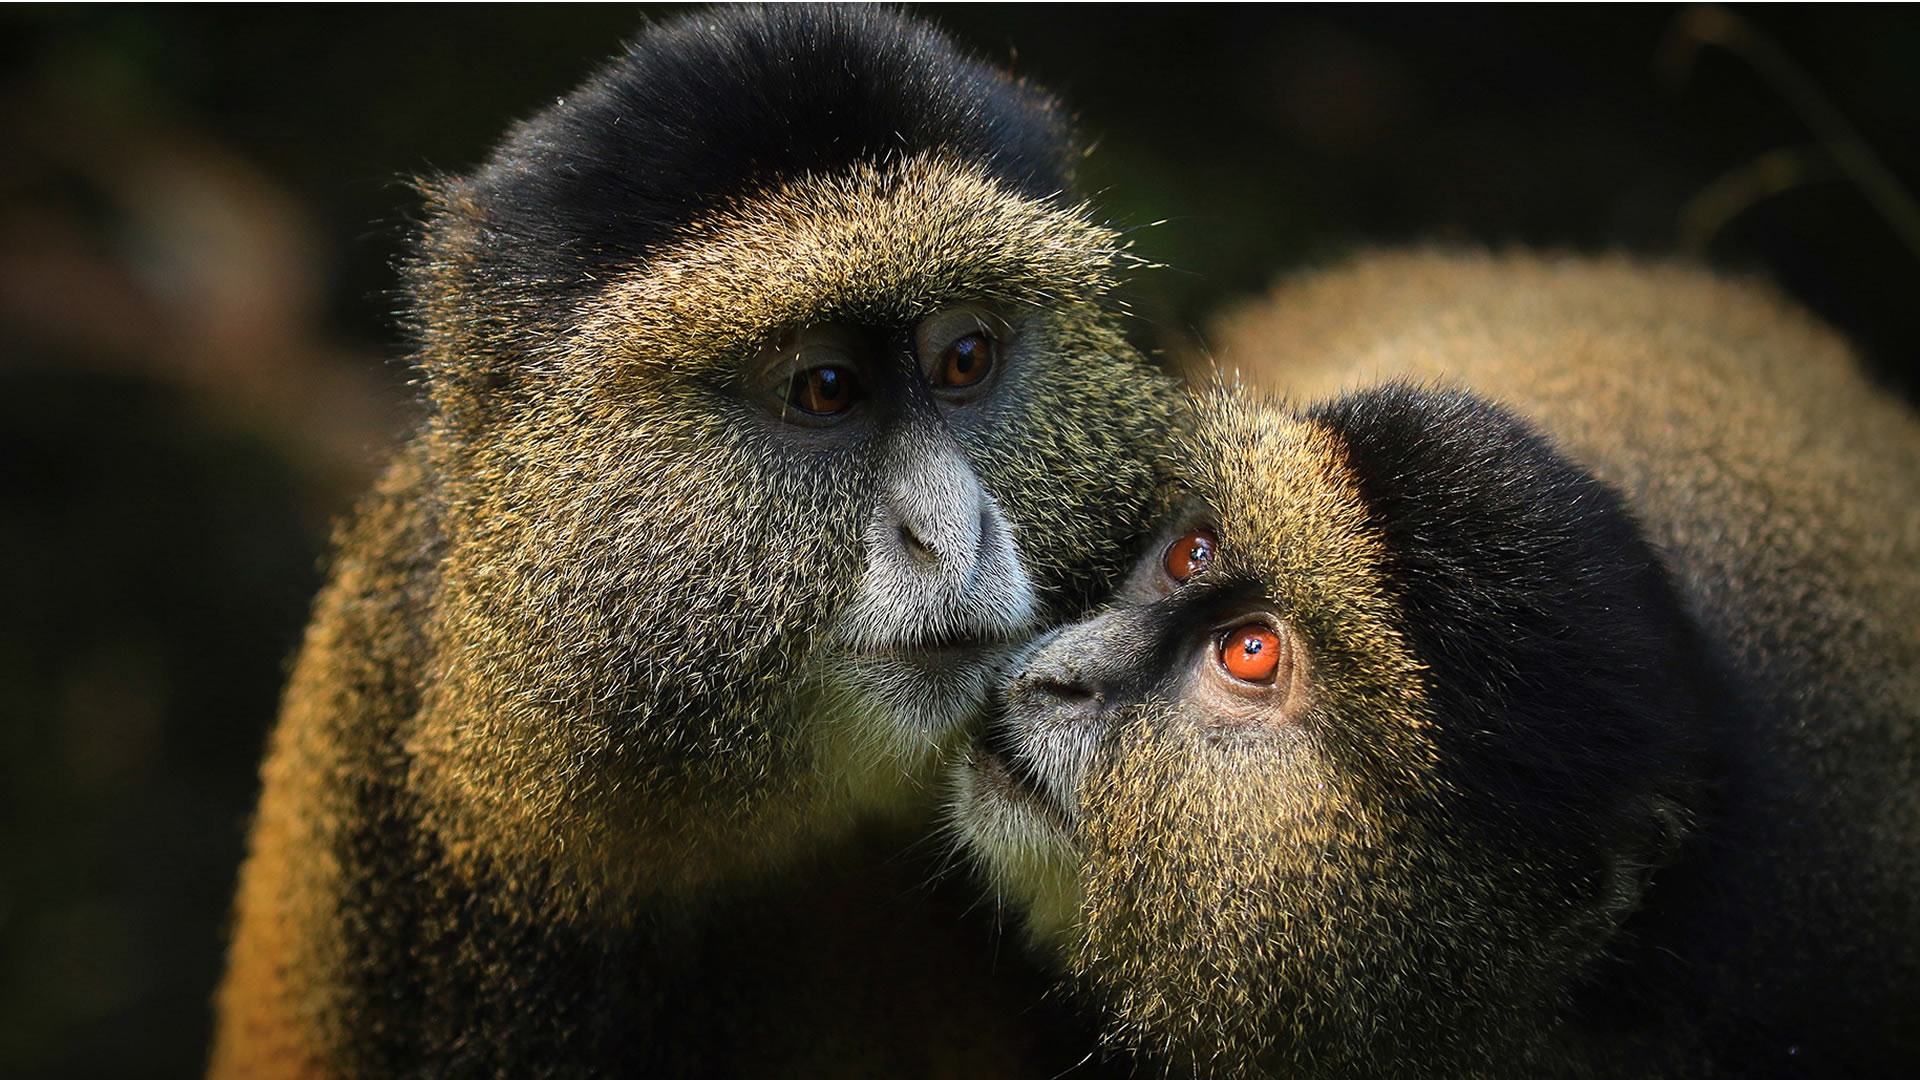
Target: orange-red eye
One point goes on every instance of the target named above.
(1251, 652)
(823, 391)
(966, 361)
(1189, 555)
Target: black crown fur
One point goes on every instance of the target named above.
(728, 102)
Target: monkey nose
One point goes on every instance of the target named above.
(1080, 672)
(1055, 681)
(931, 542)
(939, 515)
(915, 546)
(1058, 690)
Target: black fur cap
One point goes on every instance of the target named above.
(1565, 671)
(727, 102)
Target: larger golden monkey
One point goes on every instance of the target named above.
(772, 399)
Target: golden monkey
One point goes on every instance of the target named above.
(772, 399)
(1544, 702)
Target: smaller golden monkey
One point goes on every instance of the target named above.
(1574, 735)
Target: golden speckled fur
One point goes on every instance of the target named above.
(601, 551)
(1782, 486)
(1782, 490)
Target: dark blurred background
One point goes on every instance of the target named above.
(200, 208)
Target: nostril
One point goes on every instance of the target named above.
(1072, 692)
(916, 547)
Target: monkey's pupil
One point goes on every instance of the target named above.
(1189, 555)
(966, 361)
(1251, 653)
(824, 390)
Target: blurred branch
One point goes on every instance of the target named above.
(131, 243)
(1736, 191)
(1713, 25)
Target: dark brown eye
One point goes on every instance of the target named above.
(966, 361)
(1189, 555)
(1251, 652)
(823, 391)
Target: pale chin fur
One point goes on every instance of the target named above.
(931, 696)
(1030, 858)
(892, 721)
(910, 664)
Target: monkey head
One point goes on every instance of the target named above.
(1365, 764)
(766, 413)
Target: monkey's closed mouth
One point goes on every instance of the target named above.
(954, 646)
(996, 752)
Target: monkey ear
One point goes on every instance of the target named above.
(471, 360)
(1634, 862)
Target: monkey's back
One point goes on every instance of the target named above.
(1783, 490)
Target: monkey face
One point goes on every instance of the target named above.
(1377, 742)
(766, 411)
(1201, 647)
(755, 535)
(938, 588)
